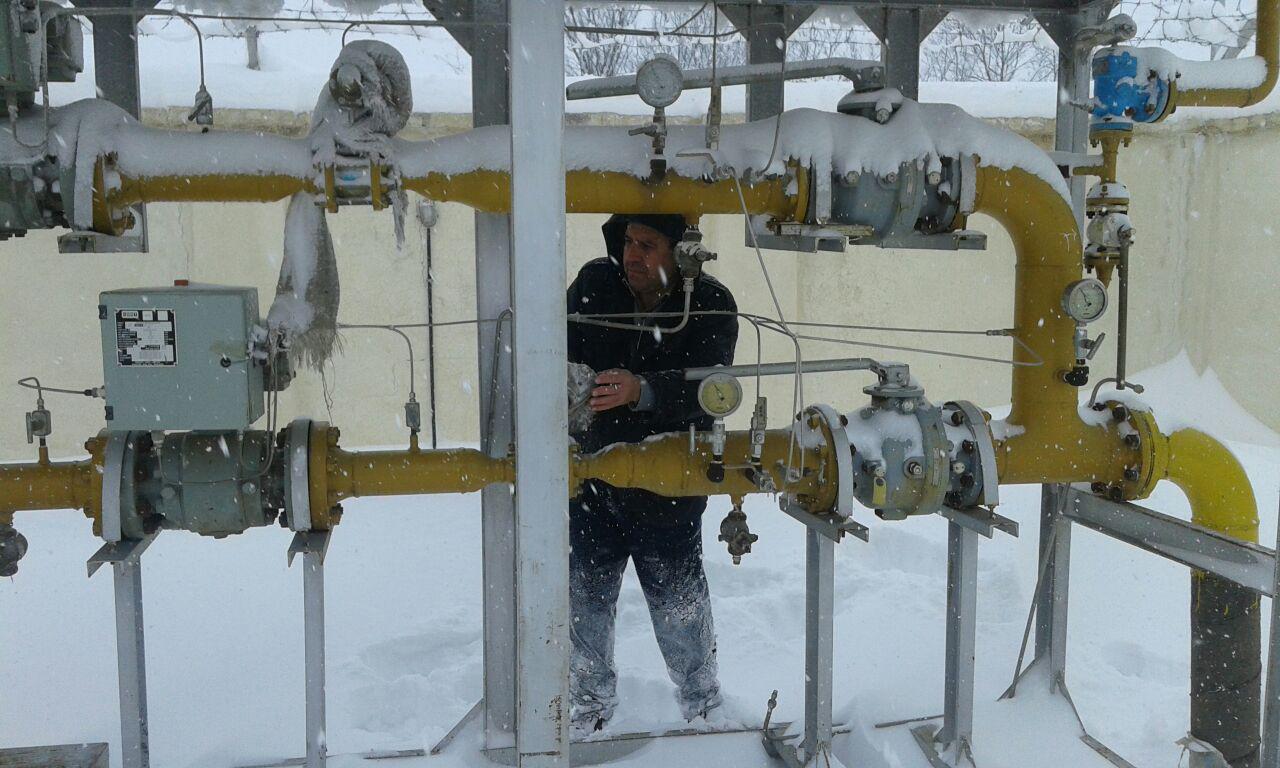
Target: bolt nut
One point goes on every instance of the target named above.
(867, 412)
(969, 446)
(1098, 488)
(966, 480)
(873, 468)
(851, 178)
(907, 406)
(1133, 440)
(891, 177)
(914, 468)
(844, 420)
(957, 418)
(1115, 493)
(958, 468)
(1131, 474)
(1119, 412)
(934, 178)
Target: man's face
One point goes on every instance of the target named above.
(648, 260)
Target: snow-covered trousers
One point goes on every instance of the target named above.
(668, 562)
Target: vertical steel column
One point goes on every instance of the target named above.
(819, 631)
(1071, 124)
(540, 361)
(1051, 602)
(489, 105)
(900, 51)
(313, 545)
(765, 33)
(1271, 709)
(962, 626)
(135, 748)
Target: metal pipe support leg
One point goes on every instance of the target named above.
(962, 606)
(820, 553)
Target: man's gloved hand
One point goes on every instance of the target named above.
(615, 388)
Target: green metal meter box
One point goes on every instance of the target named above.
(181, 358)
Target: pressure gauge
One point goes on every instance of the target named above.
(1085, 300)
(719, 394)
(659, 81)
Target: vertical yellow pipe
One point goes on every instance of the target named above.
(1226, 632)
(1053, 445)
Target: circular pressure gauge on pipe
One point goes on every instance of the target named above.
(720, 394)
(1085, 300)
(659, 81)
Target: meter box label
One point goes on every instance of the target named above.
(145, 337)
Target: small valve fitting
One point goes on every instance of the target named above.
(735, 533)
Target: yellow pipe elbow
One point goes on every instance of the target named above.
(1266, 46)
(1214, 482)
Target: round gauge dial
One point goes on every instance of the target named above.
(659, 82)
(720, 394)
(1085, 300)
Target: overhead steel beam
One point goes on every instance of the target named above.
(538, 282)
(457, 10)
(766, 29)
(490, 86)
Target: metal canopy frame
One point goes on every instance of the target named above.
(520, 268)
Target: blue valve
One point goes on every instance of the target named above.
(1122, 98)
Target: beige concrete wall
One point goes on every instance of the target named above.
(1204, 278)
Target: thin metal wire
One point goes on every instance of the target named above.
(393, 329)
(31, 382)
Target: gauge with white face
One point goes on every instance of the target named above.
(1085, 300)
(719, 394)
(659, 82)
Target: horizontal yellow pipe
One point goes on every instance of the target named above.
(406, 472)
(1266, 46)
(484, 190)
(55, 485)
(613, 192)
(663, 465)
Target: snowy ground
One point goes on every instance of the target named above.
(224, 633)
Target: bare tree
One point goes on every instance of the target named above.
(1008, 51)
(1223, 28)
(601, 54)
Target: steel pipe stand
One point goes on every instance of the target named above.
(926, 739)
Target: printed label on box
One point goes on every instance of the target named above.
(145, 337)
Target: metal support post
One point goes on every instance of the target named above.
(125, 558)
(313, 545)
(1071, 124)
(490, 75)
(115, 62)
(1051, 601)
(820, 586)
(962, 624)
(540, 359)
(901, 50)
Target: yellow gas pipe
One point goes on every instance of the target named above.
(1055, 444)
(484, 190)
(1266, 47)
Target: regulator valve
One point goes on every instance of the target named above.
(735, 533)
(691, 254)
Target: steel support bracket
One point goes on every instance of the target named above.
(980, 520)
(313, 546)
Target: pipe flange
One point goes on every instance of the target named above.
(120, 518)
(840, 448)
(976, 422)
(933, 439)
(323, 437)
(297, 475)
(1150, 457)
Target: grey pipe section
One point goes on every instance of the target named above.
(861, 73)
(786, 369)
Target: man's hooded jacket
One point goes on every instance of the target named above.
(601, 288)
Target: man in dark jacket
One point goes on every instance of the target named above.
(640, 391)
